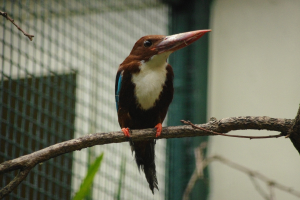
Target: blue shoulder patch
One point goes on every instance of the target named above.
(118, 88)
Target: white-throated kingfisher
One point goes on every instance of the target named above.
(144, 91)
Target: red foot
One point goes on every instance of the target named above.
(126, 132)
(158, 129)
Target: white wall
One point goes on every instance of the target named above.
(254, 70)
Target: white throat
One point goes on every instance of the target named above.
(149, 81)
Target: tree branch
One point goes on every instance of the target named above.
(15, 182)
(221, 126)
(255, 174)
(238, 136)
(5, 15)
(201, 163)
(258, 188)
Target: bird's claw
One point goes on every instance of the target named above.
(158, 129)
(126, 132)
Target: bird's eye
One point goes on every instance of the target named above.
(147, 43)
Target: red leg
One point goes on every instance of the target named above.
(158, 129)
(126, 132)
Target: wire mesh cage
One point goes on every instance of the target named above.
(61, 86)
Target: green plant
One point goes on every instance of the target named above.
(89, 178)
(121, 179)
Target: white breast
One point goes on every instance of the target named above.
(150, 80)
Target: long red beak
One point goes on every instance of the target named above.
(178, 41)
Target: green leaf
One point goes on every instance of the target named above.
(121, 179)
(89, 178)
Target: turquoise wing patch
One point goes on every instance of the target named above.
(118, 88)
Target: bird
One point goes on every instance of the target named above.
(144, 90)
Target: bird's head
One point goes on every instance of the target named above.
(162, 46)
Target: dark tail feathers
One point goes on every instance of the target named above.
(145, 159)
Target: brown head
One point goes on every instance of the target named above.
(151, 45)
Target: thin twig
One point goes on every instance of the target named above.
(252, 174)
(199, 157)
(202, 163)
(198, 172)
(255, 174)
(5, 15)
(190, 185)
(272, 192)
(258, 188)
(238, 136)
(15, 182)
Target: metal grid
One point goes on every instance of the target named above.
(61, 86)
